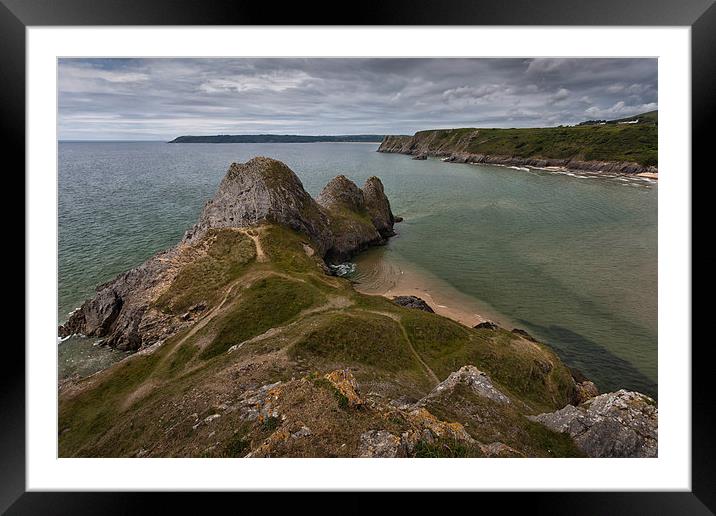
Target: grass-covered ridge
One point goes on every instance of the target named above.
(614, 142)
(224, 256)
(273, 315)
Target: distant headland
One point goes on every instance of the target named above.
(624, 146)
(280, 138)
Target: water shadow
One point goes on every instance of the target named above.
(608, 371)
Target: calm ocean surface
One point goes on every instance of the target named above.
(571, 259)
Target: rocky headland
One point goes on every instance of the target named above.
(344, 220)
(246, 346)
(612, 149)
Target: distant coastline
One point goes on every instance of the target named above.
(624, 146)
(281, 138)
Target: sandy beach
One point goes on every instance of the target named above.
(379, 276)
(451, 310)
(649, 175)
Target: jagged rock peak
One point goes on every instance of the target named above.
(358, 217)
(342, 192)
(378, 206)
(263, 190)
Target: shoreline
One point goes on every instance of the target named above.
(379, 276)
(595, 167)
(457, 314)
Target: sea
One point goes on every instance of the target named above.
(569, 257)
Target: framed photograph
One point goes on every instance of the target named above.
(437, 249)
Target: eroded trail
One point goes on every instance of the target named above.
(261, 257)
(427, 368)
(253, 234)
(415, 353)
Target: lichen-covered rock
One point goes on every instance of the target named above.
(272, 442)
(498, 449)
(617, 424)
(378, 443)
(413, 302)
(584, 391)
(259, 404)
(477, 381)
(422, 418)
(344, 381)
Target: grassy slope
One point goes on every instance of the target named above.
(611, 142)
(284, 318)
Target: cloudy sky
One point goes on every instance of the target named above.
(159, 99)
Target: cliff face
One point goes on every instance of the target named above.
(620, 150)
(261, 191)
(358, 217)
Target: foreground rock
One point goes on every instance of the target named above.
(617, 424)
(124, 311)
(475, 380)
(379, 443)
(413, 302)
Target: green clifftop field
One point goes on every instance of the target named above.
(247, 347)
(617, 141)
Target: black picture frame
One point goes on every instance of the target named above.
(17, 15)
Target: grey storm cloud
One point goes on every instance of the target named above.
(164, 98)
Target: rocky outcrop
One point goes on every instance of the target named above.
(121, 312)
(584, 388)
(345, 383)
(261, 191)
(585, 391)
(341, 192)
(413, 302)
(378, 207)
(358, 217)
(343, 220)
(614, 167)
(486, 325)
(442, 144)
(475, 380)
(378, 443)
(617, 424)
(96, 316)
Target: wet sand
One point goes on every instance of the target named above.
(378, 275)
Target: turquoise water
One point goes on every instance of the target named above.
(571, 259)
